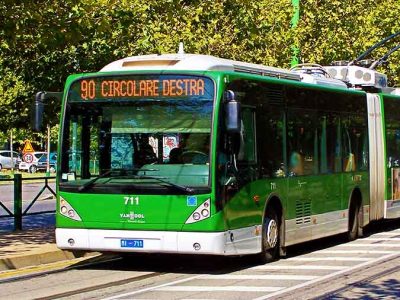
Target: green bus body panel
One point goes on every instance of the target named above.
(153, 212)
(325, 193)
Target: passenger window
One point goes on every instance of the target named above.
(247, 150)
(302, 143)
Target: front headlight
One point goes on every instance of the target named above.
(68, 211)
(202, 212)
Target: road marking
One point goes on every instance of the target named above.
(334, 258)
(300, 267)
(229, 288)
(307, 283)
(271, 292)
(382, 239)
(360, 251)
(387, 233)
(261, 277)
(371, 245)
(153, 288)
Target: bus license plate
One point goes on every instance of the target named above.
(132, 243)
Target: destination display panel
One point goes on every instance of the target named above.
(141, 86)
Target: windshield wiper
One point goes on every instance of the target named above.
(89, 183)
(179, 187)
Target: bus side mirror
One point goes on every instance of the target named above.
(37, 112)
(232, 113)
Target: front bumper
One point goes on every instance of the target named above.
(153, 241)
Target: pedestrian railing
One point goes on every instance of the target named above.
(18, 213)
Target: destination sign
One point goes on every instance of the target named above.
(140, 87)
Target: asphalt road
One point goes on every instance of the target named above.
(324, 269)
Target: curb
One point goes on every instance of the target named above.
(30, 260)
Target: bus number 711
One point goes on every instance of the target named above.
(131, 200)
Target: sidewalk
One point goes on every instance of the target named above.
(30, 247)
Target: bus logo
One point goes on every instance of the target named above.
(131, 216)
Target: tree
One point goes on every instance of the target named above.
(42, 42)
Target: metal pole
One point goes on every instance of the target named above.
(48, 152)
(294, 22)
(12, 152)
(17, 202)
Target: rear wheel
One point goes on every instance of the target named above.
(270, 237)
(1, 167)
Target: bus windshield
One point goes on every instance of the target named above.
(134, 132)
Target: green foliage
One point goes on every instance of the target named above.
(342, 30)
(13, 90)
(42, 42)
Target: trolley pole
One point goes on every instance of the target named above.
(294, 22)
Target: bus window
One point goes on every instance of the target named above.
(354, 144)
(247, 150)
(266, 101)
(302, 143)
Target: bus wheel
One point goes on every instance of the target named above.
(270, 237)
(352, 233)
(32, 169)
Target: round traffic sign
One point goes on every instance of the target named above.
(28, 158)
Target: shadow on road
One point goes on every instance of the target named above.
(28, 222)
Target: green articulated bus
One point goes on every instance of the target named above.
(195, 154)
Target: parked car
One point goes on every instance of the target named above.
(42, 163)
(5, 159)
(31, 161)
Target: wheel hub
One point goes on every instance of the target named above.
(272, 234)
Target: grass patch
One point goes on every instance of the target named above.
(8, 174)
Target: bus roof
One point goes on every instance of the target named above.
(198, 62)
(195, 62)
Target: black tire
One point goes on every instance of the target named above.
(1, 167)
(270, 237)
(32, 169)
(354, 223)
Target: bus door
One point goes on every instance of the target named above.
(241, 209)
